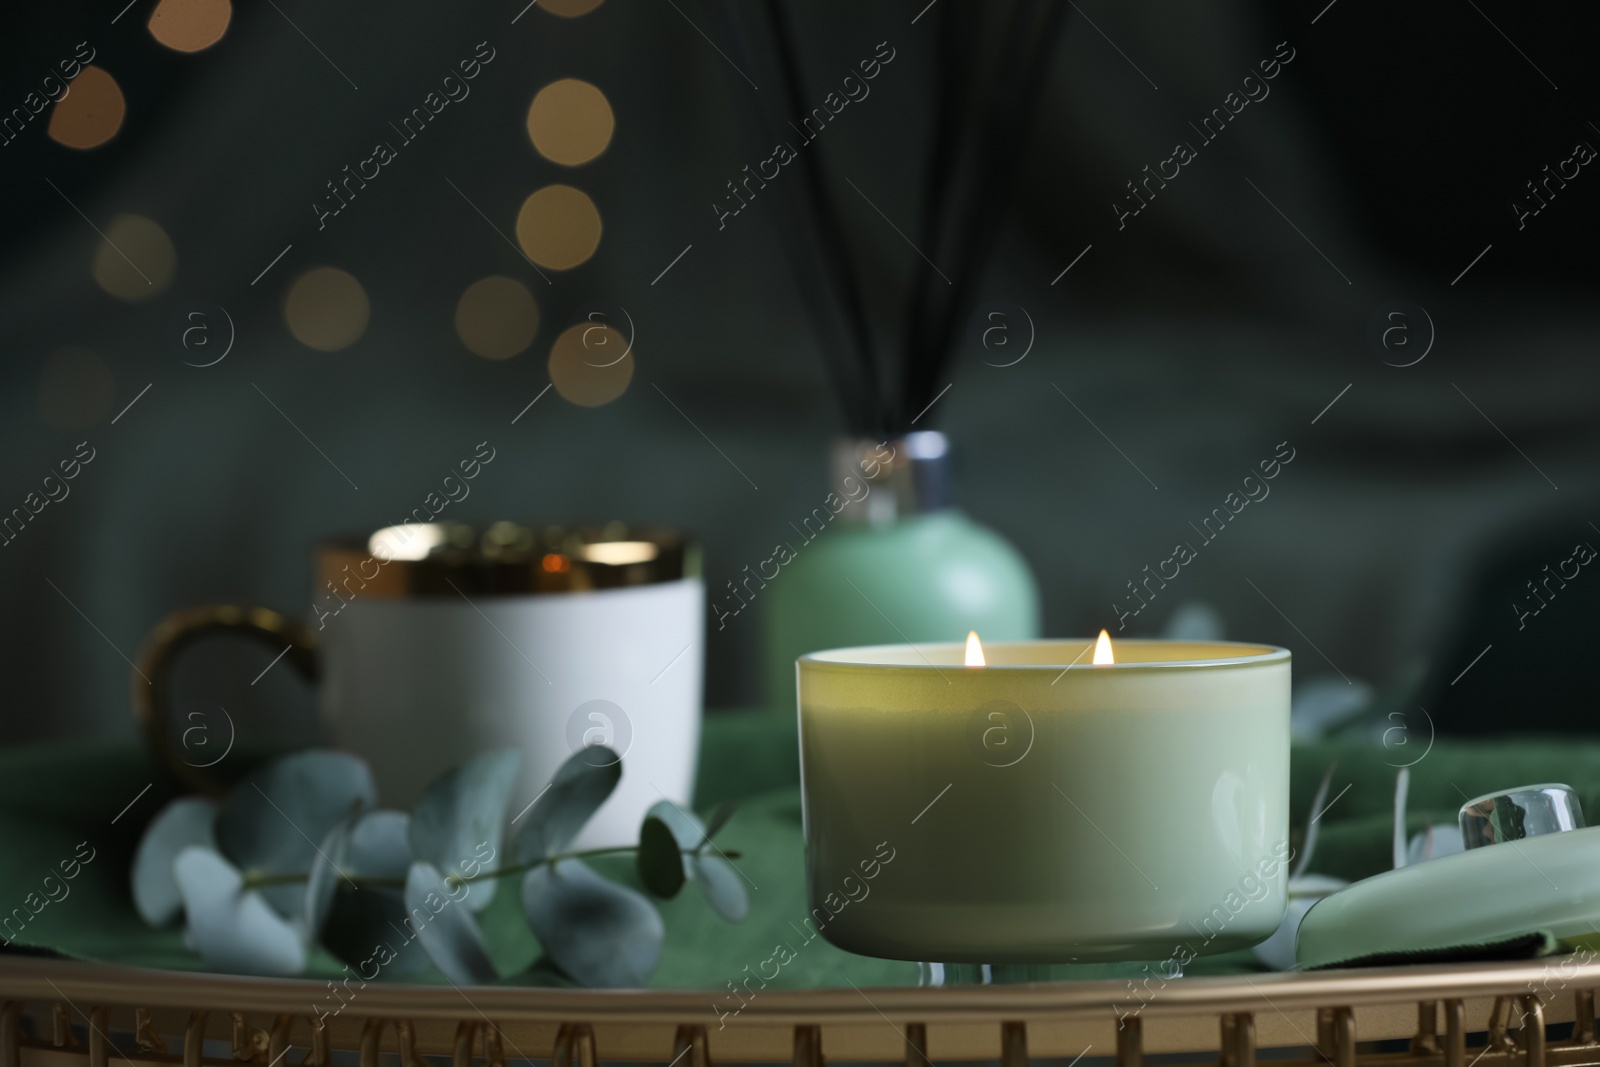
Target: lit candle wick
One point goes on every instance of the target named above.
(1102, 649)
(974, 650)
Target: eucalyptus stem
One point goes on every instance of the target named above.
(259, 881)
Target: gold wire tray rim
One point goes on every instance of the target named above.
(33, 979)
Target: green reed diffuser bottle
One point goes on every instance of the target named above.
(889, 559)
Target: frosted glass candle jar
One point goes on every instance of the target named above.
(1042, 809)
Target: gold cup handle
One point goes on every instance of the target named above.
(152, 679)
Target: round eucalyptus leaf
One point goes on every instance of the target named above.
(460, 820)
(273, 820)
(722, 885)
(367, 927)
(573, 795)
(689, 831)
(234, 929)
(445, 927)
(328, 868)
(184, 822)
(601, 934)
(660, 859)
(380, 845)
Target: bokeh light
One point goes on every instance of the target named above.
(558, 227)
(569, 9)
(90, 113)
(570, 122)
(326, 309)
(136, 260)
(190, 25)
(584, 364)
(496, 317)
(75, 388)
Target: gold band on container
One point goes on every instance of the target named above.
(505, 559)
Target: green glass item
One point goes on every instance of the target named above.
(887, 558)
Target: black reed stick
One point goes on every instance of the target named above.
(985, 106)
(797, 221)
(952, 73)
(996, 143)
(830, 231)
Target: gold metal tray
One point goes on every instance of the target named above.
(59, 1013)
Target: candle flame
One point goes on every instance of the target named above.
(974, 650)
(1102, 649)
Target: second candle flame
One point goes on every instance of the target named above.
(974, 650)
(1102, 649)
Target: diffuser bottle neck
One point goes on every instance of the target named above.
(895, 478)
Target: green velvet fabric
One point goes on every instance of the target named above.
(54, 798)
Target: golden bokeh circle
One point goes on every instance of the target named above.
(578, 372)
(558, 227)
(90, 113)
(569, 9)
(326, 309)
(135, 260)
(570, 122)
(75, 388)
(496, 317)
(190, 25)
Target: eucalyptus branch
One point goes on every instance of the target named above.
(262, 880)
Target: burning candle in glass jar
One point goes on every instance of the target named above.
(1046, 801)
